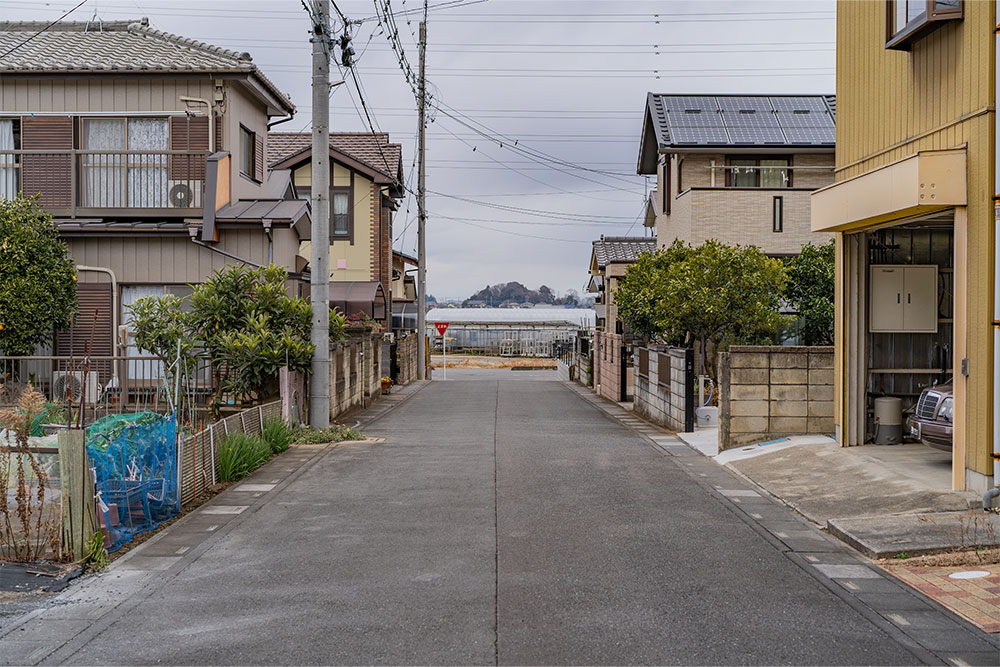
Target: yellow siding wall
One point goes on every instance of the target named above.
(359, 254)
(891, 104)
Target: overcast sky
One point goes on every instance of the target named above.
(566, 78)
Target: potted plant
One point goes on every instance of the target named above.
(386, 384)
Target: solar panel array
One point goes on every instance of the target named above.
(747, 120)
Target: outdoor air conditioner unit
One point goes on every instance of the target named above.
(67, 386)
(184, 194)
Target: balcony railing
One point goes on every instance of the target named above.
(88, 182)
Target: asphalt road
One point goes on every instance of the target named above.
(501, 521)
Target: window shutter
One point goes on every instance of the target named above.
(51, 175)
(188, 133)
(258, 157)
(91, 298)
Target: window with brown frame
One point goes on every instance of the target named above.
(340, 212)
(778, 215)
(906, 21)
(758, 172)
(248, 157)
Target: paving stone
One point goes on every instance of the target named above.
(148, 562)
(847, 571)
(955, 639)
(223, 509)
(901, 602)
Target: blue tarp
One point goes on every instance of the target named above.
(135, 469)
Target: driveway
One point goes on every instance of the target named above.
(500, 521)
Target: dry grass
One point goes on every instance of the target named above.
(953, 559)
(461, 361)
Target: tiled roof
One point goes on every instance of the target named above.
(373, 150)
(116, 46)
(611, 249)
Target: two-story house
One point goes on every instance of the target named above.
(148, 149)
(737, 168)
(366, 183)
(609, 259)
(913, 210)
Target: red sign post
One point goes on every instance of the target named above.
(442, 327)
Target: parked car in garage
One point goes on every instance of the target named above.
(931, 421)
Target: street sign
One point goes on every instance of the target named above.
(441, 327)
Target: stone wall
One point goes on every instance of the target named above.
(355, 366)
(769, 392)
(406, 359)
(661, 383)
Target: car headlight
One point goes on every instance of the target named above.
(947, 409)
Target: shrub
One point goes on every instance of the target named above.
(337, 433)
(277, 434)
(240, 455)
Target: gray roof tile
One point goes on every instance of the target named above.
(117, 46)
(612, 249)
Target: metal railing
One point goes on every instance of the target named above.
(101, 385)
(98, 180)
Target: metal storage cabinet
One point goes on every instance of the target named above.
(903, 298)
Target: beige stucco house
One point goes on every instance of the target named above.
(737, 168)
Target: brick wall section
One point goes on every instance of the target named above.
(769, 392)
(607, 365)
(660, 386)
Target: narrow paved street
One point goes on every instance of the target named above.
(501, 521)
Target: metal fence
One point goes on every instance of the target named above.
(100, 179)
(94, 387)
(505, 341)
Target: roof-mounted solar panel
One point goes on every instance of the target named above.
(792, 104)
(699, 135)
(755, 136)
(809, 135)
(804, 119)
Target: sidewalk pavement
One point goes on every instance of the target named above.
(883, 501)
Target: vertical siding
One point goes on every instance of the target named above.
(891, 104)
(80, 94)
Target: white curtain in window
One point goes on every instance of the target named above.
(104, 172)
(340, 213)
(147, 172)
(145, 369)
(9, 184)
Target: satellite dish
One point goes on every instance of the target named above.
(181, 195)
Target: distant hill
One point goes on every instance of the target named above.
(514, 293)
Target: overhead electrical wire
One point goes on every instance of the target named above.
(31, 37)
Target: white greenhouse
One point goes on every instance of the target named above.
(508, 332)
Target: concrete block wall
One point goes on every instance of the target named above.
(768, 392)
(660, 386)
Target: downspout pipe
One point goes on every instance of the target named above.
(995, 491)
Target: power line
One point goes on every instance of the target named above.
(17, 46)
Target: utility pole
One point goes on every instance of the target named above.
(421, 209)
(319, 262)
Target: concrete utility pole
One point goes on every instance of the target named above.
(421, 210)
(319, 262)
